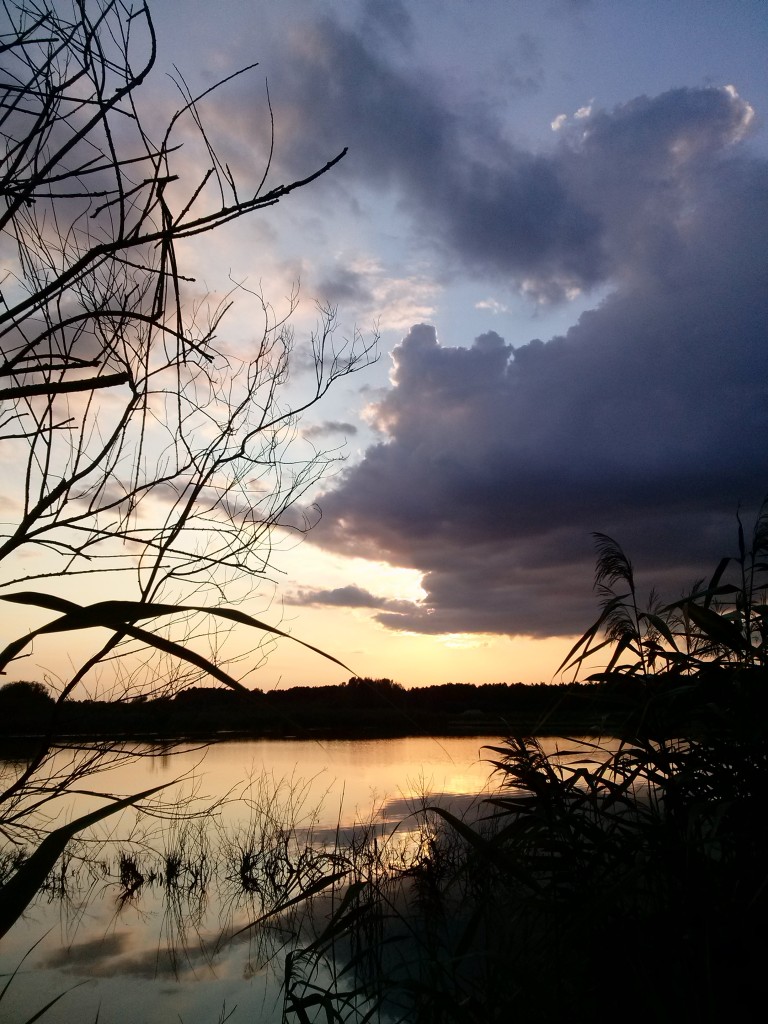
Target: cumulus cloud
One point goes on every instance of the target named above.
(488, 204)
(492, 305)
(545, 221)
(646, 420)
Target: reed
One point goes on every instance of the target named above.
(629, 880)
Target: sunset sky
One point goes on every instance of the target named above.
(555, 211)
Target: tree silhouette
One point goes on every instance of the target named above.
(138, 447)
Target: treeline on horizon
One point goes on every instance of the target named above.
(357, 708)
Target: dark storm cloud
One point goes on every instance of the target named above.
(545, 222)
(647, 420)
(88, 952)
(488, 204)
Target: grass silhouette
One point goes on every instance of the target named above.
(630, 881)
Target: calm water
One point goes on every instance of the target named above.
(154, 958)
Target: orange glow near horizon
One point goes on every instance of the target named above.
(350, 634)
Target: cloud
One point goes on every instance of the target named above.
(330, 427)
(87, 953)
(393, 301)
(112, 956)
(387, 18)
(492, 305)
(352, 597)
(489, 205)
(500, 456)
(546, 221)
(342, 285)
(646, 420)
(521, 72)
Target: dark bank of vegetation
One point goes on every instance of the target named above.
(363, 708)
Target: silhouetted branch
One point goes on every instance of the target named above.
(144, 448)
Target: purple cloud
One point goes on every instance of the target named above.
(647, 420)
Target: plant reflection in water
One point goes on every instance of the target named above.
(155, 913)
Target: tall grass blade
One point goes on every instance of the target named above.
(340, 920)
(311, 890)
(48, 1005)
(18, 966)
(585, 641)
(485, 847)
(714, 583)
(720, 630)
(661, 627)
(121, 616)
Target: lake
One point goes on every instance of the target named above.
(140, 926)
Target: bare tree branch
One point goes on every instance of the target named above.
(142, 445)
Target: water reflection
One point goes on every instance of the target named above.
(141, 912)
(153, 919)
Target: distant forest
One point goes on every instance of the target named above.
(357, 708)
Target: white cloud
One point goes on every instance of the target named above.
(368, 285)
(492, 305)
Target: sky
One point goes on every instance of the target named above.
(554, 212)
